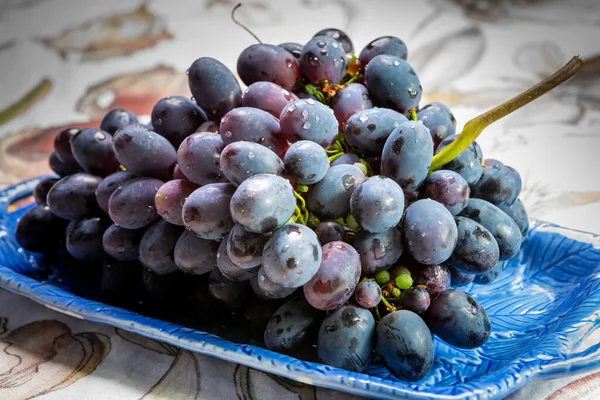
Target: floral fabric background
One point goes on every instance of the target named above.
(82, 58)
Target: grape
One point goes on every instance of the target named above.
(289, 327)
(448, 188)
(340, 36)
(122, 244)
(84, 238)
(231, 293)
(178, 174)
(491, 275)
(518, 213)
(457, 319)
(405, 345)
(306, 162)
(194, 255)
(377, 204)
(407, 155)
(294, 48)
(476, 249)
(63, 168)
(267, 62)
(263, 203)
(170, 198)
(499, 184)
(436, 278)
(330, 197)
(93, 150)
(268, 97)
(131, 206)
(208, 126)
(121, 278)
(292, 256)
(198, 158)
(62, 145)
(378, 251)
(346, 158)
(117, 119)
(241, 160)
(206, 211)
(265, 288)
(439, 121)
(468, 163)
(350, 100)
(441, 107)
(245, 248)
(501, 226)
(393, 83)
(158, 245)
(323, 58)
(367, 294)
(177, 117)
(490, 162)
(215, 89)
(367, 130)
(430, 232)
(231, 270)
(415, 299)
(40, 193)
(73, 197)
(389, 45)
(253, 125)
(39, 229)
(108, 185)
(336, 278)
(144, 152)
(346, 338)
(460, 278)
(329, 231)
(309, 120)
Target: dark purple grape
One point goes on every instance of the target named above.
(40, 193)
(267, 62)
(253, 125)
(231, 293)
(108, 185)
(367, 294)
(288, 328)
(121, 278)
(306, 162)
(294, 48)
(378, 251)
(73, 197)
(93, 150)
(347, 102)
(170, 198)
(347, 158)
(122, 244)
(198, 158)
(131, 206)
(389, 45)
(245, 248)
(448, 188)
(377, 204)
(415, 299)
(393, 83)
(194, 255)
(63, 168)
(460, 278)
(405, 345)
(215, 89)
(476, 249)
(241, 160)
(518, 213)
(336, 278)
(144, 152)
(330, 197)
(367, 130)
(440, 123)
(268, 97)
(346, 339)
(208, 126)
(117, 119)
(500, 185)
(178, 173)
(457, 319)
(206, 211)
(176, 118)
(491, 275)
(62, 145)
(309, 120)
(267, 289)
(38, 229)
(329, 231)
(84, 238)
(158, 246)
(436, 278)
(323, 59)
(340, 36)
(468, 163)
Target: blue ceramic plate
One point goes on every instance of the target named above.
(544, 310)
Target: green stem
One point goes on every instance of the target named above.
(298, 215)
(474, 127)
(387, 304)
(301, 200)
(413, 114)
(335, 156)
(302, 188)
(25, 102)
(351, 80)
(377, 313)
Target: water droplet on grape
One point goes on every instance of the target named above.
(423, 234)
(314, 61)
(289, 64)
(321, 44)
(363, 118)
(323, 52)
(335, 44)
(193, 98)
(286, 93)
(228, 134)
(120, 249)
(100, 136)
(304, 113)
(150, 208)
(251, 155)
(396, 63)
(317, 118)
(439, 222)
(291, 108)
(306, 125)
(310, 101)
(412, 92)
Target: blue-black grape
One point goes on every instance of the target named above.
(501, 226)
(407, 155)
(84, 238)
(499, 184)
(294, 48)
(350, 100)
(518, 213)
(39, 229)
(436, 278)
(241, 160)
(491, 275)
(367, 130)
(177, 117)
(265, 288)
(323, 59)
(476, 249)
(367, 294)
(144, 152)
(457, 319)
(389, 45)
(245, 248)
(289, 326)
(131, 206)
(306, 162)
(268, 97)
(198, 158)
(158, 245)
(109, 184)
(292, 256)
(229, 269)
(329, 231)
(93, 150)
(340, 36)
(194, 255)
(346, 338)
(405, 345)
(460, 278)
(263, 203)
(206, 211)
(215, 89)
(117, 119)
(267, 62)
(448, 188)
(330, 197)
(73, 197)
(40, 193)
(170, 198)
(378, 251)
(430, 232)
(62, 168)
(122, 244)
(415, 299)
(377, 204)
(439, 121)
(231, 293)
(468, 163)
(393, 83)
(306, 119)
(62, 145)
(346, 158)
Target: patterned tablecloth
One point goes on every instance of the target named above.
(94, 56)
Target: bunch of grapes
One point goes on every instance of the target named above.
(317, 185)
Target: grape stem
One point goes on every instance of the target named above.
(335, 156)
(388, 306)
(474, 127)
(238, 23)
(413, 114)
(24, 103)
